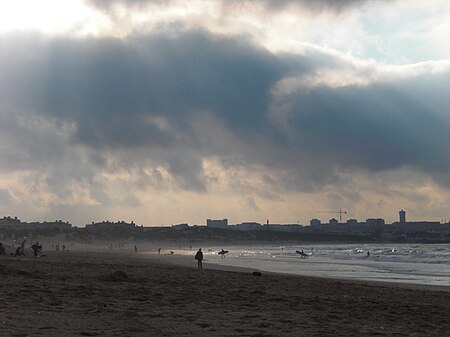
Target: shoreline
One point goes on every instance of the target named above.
(114, 294)
(183, 256)
(188, 261)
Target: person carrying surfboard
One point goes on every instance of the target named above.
(223, 252)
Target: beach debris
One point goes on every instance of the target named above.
(256, 273)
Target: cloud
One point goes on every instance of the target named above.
(250, 203)
(92, 81)
(111, 3)
(375, 127)
(318, 5)
(117, 96)
(270, 5)
(167, 101)
(7, 197)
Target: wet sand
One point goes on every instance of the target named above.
(103, 294)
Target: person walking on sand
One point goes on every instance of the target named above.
(199, 258)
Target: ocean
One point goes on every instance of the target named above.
(427, 264)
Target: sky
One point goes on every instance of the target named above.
(166, 112)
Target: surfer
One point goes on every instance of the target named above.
(223, 252)
(301, 253)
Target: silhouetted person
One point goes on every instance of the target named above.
(135, 249)
(22, 247)
(223, 252)
(199, 258)
(64, 248)
(368, 253)
(35, 246)
(2, 249)
(19, 252)
(159, 251)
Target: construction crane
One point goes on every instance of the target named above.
(340, 212)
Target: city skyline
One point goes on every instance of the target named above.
(402, 219)
(164, 112)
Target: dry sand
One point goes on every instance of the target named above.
(98, 294)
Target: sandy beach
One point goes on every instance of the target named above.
(105, 294)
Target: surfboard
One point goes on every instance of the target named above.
(302, 254)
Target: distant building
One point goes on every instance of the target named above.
(375, 222)
(248, 226)
(402, 215)
(314, 223)
(181, 226)
(333, 221)
(57, 224)
(217, 223)
(8, 221)
(16, 224)
(285, 228)
(108, 225)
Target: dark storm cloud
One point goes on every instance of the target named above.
(316, 5)
(141, 92)
(111, 88)
(375, 127)
(271, 5)
(173, 99)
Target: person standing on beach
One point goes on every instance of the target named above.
(199, 258)
(22, 247)
(35, 246)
